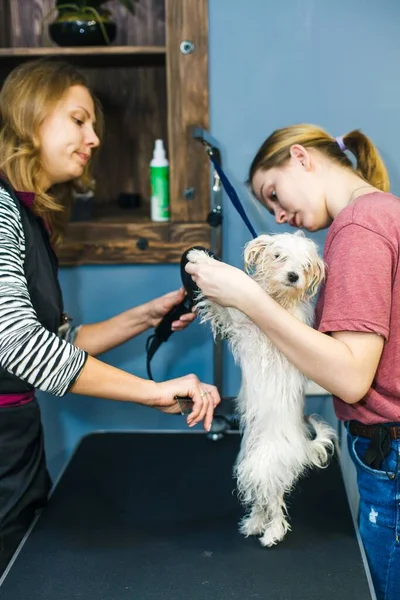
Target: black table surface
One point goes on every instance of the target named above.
(153, 516)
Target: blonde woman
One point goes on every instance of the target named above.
(50, 127)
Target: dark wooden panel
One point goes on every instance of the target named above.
(188, 106)
(27, 19)
(5, 23)
(145, 27)
(134, 103)
(116, 243)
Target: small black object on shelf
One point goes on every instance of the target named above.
(82, 209)
(129, 201)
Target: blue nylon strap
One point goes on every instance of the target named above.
(232, 194)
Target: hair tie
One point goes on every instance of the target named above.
(340, 143)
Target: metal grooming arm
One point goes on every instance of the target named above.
(214, 219)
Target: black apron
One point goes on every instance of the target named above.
(24, 480)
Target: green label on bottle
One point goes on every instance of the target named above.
(159, 180)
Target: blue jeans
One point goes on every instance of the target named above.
(379, 516)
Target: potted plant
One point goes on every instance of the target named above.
(85, 23)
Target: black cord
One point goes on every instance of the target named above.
(150, 350)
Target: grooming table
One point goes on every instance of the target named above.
(153, 516)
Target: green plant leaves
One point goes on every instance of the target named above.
(79, 5)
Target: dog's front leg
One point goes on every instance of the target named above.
(219, 317)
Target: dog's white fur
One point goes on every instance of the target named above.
(276, 446)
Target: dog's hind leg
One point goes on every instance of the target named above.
(277, 525)
(255, 522)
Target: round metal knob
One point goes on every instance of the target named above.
(186, 47)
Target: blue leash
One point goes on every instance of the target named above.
(230, 190)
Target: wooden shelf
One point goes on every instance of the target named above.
(93, 242)
(89, 55)
(148, 90)
(83, 50)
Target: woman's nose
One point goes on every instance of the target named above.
(92, 139)
(280, 216)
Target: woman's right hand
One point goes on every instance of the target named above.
(205, 398)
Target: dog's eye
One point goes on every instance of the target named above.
(277, 255)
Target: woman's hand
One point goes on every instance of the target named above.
(221, 283)
(205, 398)
(159, 307)
(101, 337)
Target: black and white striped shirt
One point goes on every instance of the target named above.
(27, 349)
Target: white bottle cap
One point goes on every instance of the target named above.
(159, 150)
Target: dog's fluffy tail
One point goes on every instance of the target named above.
(322, 446)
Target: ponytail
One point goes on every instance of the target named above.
(369, 164)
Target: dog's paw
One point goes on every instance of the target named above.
(274, 533)
(253, 524)
(199, 257)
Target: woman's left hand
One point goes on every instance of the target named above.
(159, 307)
(221, 283)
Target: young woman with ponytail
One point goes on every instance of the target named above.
(309, 179)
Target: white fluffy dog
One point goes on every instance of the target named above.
(278, 444)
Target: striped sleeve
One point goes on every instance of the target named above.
(27, 349)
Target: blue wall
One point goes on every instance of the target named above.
(271, 64)
(93, 294)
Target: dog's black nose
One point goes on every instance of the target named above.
(292, 277)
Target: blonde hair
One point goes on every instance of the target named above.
(275, 151)
(29, 93)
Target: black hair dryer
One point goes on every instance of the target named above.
(163, 330)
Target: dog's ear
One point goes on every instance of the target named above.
(253, 249)
(250, 257)
(316, 275)
(300, 233)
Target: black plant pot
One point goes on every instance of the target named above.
(81, 32)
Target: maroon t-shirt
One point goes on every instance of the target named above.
(362, 293)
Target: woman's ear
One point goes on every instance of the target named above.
(301, 155)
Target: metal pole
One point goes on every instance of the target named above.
(215, 221)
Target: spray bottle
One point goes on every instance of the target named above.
(159, 181)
